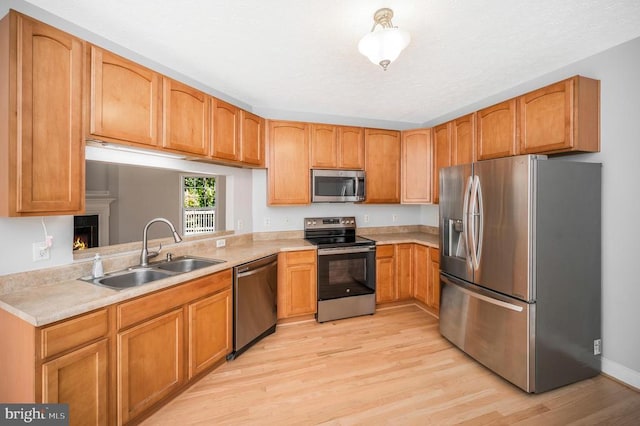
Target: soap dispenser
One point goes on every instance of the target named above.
(97, 271)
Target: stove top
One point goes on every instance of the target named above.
(328, 232)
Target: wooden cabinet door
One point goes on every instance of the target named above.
(463, 140)
(421, 272)
(433, 294)
(185, 118)
(80, 379)
(560, 117)
(404, 271)
(210, 331)
(496, 130)
(225, 143)
(125, 100)
(297, 283)
(441, 155)
(324, 146)
(385, 274)
(351, 148)
(416, 166)
(288, 169)
(382, 166)
(150, 363)
(251, 139)
(43, 144)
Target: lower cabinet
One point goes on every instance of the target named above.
(394, 272)
(427, 276)
(297, 283)
(80, 379)
(408, 270)
(210, 331)
(166, 338)
(150, 363)
(433, 288)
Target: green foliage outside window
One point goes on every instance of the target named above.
(199, 192)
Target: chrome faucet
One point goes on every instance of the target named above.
(145, 255)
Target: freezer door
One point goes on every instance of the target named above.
(501, 222)
(493, 329)
(455, 191)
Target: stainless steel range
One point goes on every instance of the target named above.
(346, 268)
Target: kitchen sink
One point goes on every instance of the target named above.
(132, 278)
(137, 275)
(186, 264)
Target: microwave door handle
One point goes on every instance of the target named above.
(356, 188)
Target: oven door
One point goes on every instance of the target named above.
(337, 186)
(346, 271)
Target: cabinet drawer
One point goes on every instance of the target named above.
(384, 251)
(144, 307)
(301, 257)
(74, 332)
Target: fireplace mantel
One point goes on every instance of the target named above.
(98, 202)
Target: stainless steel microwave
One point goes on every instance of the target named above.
(337, 186)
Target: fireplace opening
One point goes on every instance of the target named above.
(85, 232)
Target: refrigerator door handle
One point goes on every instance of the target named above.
(480, 218)
(482, 297)
(473, 225)
(465, 222)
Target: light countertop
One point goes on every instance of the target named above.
(53, 299)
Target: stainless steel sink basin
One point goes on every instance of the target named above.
(186, 264)
(137, 276)
(132, 278)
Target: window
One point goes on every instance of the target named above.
(198, 204)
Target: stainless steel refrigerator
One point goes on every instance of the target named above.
(520, 267)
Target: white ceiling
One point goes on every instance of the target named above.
(302, 56)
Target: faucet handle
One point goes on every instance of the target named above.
(153, 254)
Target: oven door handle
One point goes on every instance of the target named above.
(344, 250)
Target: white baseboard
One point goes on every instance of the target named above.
(620, 372)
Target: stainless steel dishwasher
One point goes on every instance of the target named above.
(255, 289)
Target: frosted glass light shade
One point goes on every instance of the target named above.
(384, 45)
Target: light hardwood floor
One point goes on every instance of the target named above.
(389, 368)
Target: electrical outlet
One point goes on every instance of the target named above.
(221, 242)
(394, 217)
(366, 218)
(286, 220)
(40, 251)
(267, 222)
(239, 227)
(597, 346)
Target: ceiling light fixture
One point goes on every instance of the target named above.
(384, 45)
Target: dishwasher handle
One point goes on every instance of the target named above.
(248, 271)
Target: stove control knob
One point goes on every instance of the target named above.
(308, 222)
(314, 222)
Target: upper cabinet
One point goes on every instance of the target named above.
(41, 144)
(496, 130)
(351, 148)
(185, 118)
(124, 100)
(416, 166)
(337, 147)
(561, 117)
(382, 166)
(225, 142)
(252, 130)
(441, 154)
(324, 146)
(288, 168)
(463, 140)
